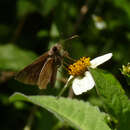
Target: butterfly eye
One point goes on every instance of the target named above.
(55, 49)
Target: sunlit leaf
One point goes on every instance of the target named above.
(78, 114)
(113, 97)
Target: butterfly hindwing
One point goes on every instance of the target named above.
(46, 73)
(53, 77)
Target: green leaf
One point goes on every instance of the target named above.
(48, 5)
(78, 114)
(123, 5)
(54, 31)
(25, 7)
(42, 33)
(113, 97)
(14, 58)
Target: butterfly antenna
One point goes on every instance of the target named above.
(70, 38)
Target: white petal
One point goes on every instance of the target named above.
(84, 84)
(100, 60)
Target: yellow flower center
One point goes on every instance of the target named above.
(79, 67)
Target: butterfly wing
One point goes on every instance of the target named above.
(46, 73)
(53, 77)
(30, 74)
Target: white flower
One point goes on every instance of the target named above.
(85, 83)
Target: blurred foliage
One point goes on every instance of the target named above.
(29, 27)
(13, 58)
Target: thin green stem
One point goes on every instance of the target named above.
(65, 87)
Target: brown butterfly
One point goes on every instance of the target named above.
(44, 69)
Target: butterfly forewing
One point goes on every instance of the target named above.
(46, 73)
(30, 74)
